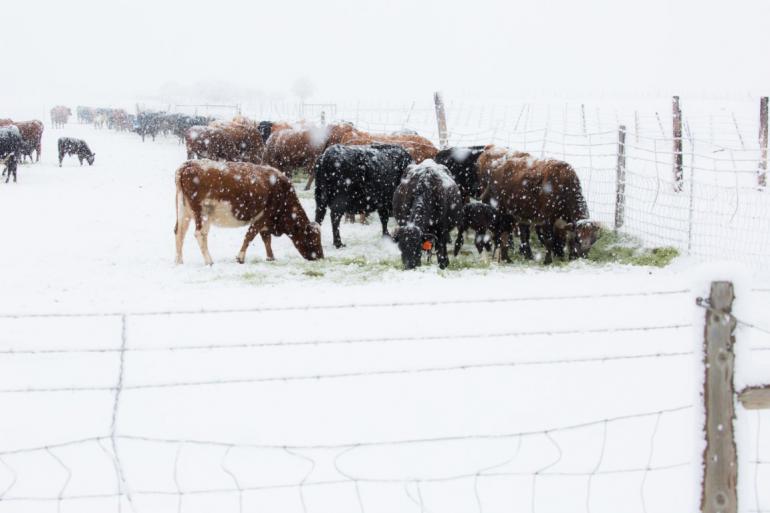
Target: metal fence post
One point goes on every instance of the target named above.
(762, 172)
(441, 119)
(620, 179)
(720, 467)
(678, 172)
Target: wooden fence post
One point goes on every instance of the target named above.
(678, 171)
(583, 117)
(720, 466)
(762, 173)
(620, 179)
(441, 119)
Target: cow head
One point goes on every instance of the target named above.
(410, 239)
(580, 236)
(309, 245)
(90, 159)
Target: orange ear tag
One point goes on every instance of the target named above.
(427, 245)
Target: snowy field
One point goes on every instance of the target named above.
(345, 385)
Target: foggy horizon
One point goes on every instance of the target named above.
(125, 51)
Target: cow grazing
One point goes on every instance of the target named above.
(71, 146)
(487, 224)
(546, 194)
(358, 179)
(10, 167)
(60, 115)
(461, 163)
(236, 194)
(427, 204)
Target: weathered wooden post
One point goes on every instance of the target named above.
(720, 466)
(583, 117)
(620, 179)
(762, 172)
(678, 171)
(441, 119)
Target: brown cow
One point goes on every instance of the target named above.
(544, 193)
(229, 141)
(298, 147)
(31, 134)
(418, 147)
(236, 194)
(490, 158)
(60, 115)
(6, 122)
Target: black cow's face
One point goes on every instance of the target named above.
(410, 245)
(90, 159)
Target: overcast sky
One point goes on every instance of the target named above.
(77, 50)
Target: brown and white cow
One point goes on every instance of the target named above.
(234, 194)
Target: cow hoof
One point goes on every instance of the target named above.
(239, 260)
(270, 259)
(339, 245)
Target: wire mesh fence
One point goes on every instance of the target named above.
(192, 410)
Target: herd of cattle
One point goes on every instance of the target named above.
(239, 173)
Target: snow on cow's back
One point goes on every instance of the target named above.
(428, 168)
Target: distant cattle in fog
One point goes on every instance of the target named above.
(60, 115)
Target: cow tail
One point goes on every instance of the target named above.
(178, 197)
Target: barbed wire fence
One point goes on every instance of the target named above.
(570, 466)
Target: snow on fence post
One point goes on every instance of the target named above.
(583, 117)
(762, 172)
(636, 126)
(441, 119)
(720, 466)
(678, 172)
(620, 180)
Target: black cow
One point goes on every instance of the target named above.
(10, 167)
(183, 122)
(358, 179)
(481, 218)
(148, 123)
(265, 129)
(461, 162)
(70, 146)
(427, 205)
(10, 142)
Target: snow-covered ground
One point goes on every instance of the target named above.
(469, 374)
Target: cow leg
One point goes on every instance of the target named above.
(250, 234)
(37, 157)
(384, 215)
(182, 226)
(504, 242)
(443, 258)
(61, 157)
(459, 241)
(336, 218)
(479, 241)
(310, 178)
(524, 248)
(202, 236)
(547, 240)
(268, 241)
